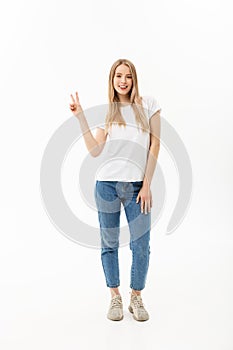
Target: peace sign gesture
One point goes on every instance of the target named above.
(75, 106)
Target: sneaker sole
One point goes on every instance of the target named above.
(118, 319)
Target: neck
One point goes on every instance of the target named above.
(124, 101)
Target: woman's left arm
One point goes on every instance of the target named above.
(153, 148)
(145, 192)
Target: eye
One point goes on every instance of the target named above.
(118, 76)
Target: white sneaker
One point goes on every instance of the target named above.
(115, 312)
(137, 308)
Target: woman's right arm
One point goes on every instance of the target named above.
(95, 144)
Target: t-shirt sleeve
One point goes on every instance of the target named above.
(152, 105)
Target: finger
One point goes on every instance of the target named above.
(72, 98)
(77, 98)
(148, 207)
(137, 199)
(146, 204)
(142, 206)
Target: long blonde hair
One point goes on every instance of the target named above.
(114, 114)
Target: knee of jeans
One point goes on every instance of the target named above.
(109, 245)
(108, 250)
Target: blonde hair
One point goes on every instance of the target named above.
(114, 114)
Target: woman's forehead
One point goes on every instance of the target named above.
(123, 69)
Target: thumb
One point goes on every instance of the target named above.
(137, 198)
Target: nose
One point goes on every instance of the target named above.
(123, 79)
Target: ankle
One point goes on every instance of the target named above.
(135, 292)
(114, 291)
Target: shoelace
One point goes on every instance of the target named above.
(116, 302)
(137, 301)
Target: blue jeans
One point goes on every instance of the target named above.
(108, 196)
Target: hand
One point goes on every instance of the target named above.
(75, 106)
(146, 199)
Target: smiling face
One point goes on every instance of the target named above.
(123, 82)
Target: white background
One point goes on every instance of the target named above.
(53, 293)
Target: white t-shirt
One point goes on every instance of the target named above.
(127, 147)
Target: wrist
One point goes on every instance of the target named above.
(79, 115)
(146, 183)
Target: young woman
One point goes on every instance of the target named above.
(133, 123)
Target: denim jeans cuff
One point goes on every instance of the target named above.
(114, 286)
(134, 287)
